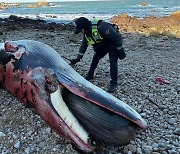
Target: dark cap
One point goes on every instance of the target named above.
(81, 23)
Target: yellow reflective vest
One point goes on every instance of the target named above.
(96, 37)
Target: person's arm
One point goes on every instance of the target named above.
(83, 47)
(82, 50)
(111, 33)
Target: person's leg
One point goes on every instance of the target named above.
(94, 64)
(113, 57)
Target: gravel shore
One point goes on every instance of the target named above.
(23, 132)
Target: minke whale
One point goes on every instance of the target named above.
(74, 108)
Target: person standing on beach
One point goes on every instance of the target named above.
(105, 38)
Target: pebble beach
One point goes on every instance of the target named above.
(149, 57)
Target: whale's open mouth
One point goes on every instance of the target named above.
(67, 116)
(86, 122)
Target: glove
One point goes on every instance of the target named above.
(76, 60)
(121, 53)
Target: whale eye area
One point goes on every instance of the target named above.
(48, 81)
(9, 47)
(51, 84)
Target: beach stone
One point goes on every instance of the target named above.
(162, 143)
(42, 144)
(177, 131)
(15, 136)
(173, 151)
(17, 144)
(143, 114)
(176, 144)
(27, 150)
(48, 130)
(2, 134)
(5, 150)
(154, 145)
(171, 121)
(125, 150)
(131, 148)
(164, 152)
(139, 150)
(147, 149)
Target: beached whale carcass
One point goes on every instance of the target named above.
(73, 107)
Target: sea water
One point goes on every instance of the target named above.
(66, 11)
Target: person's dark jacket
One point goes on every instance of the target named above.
(111, 39)
(109, 33)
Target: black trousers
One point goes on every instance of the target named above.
(113, 57)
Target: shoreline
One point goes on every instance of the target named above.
(59, 19)
(65, 17)
(58, 13)
(149, 26)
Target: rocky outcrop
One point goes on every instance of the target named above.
(143, 4)
(33, 5)
(3, 6)
(7, 5)
(168, 25)
(17, 23)
(39, 4)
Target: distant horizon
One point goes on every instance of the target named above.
(29, 1)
